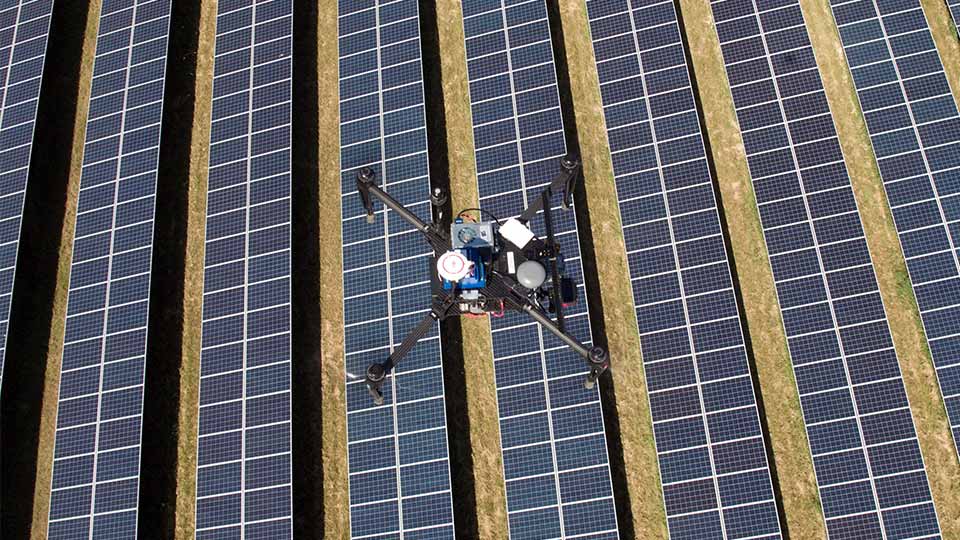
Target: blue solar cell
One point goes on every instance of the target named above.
(912, 143)
(519, 138)
(695, 363)
(24, 26)
(851, 391)
(398, 451)
(244, 461)
(99, 418)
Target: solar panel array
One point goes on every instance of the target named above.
(397, 452)
(713, 464)
(96, 465)
(24, 26)
(867, 459)
(551, 428)
(914, 125)
(244, 461)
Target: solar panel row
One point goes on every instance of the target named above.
(397, 452)
(551, 428)
(24, 26)
(713, 463)
(914, 125)
(866, 455)
(244, 460)
(96, 465)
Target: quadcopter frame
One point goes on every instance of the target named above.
(503, 290)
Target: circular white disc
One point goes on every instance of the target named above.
(453, 266)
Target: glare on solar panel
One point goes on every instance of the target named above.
(24, 26)
(97, 454)
(866, 456)
(244, 448)
(556, 469)
(397, 452)
(713, 463)
(914, 125)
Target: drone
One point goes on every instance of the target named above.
(487, 267)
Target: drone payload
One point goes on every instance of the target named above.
(489, 267)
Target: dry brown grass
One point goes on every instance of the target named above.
(335, 475)
(945, 36)
(51, 390)
(774, 372)
(484, 428)
(484, 433)
(919, 376)
(644, 494)
(185, 505)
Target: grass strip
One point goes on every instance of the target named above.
(480, 382)
(642, 503)
(48, 419)
(185, 515)
(334, 409)
(903, 314)
(773, 369)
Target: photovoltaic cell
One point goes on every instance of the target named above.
(551, 428)
(914, 125)
(24, 26)
(713, 464)
(397, 452)
(866, 456)
(244, 460)
(96, 467)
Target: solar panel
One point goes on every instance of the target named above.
(555, 460)
(713, 464)
(866, 456)
(244, 461)
(96, 464)
(914, 126)
(24, 26)
(397, 452)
